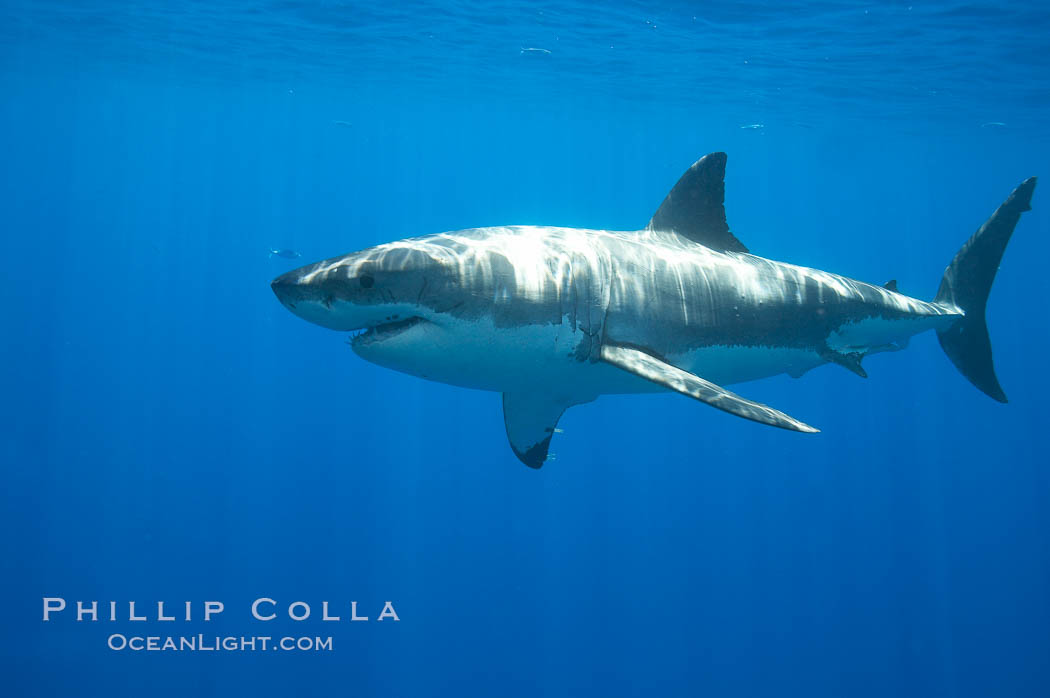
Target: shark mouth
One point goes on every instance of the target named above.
(383, 332)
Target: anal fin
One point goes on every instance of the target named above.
(673, 378)
(848, 360)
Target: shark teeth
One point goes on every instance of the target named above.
(386, 330)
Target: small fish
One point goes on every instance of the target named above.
(753, 126)
(993, 124)
(287, 254)
(534, 50)
(339, 122)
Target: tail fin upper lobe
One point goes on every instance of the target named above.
(966, 284)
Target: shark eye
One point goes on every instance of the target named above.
(366, 281)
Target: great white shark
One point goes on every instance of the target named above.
(553, 317)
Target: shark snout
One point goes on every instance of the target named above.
(334, 300)
(289, 288)
(311, 299)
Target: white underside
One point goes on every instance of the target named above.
(875, 333)
(510, 360)
(476, 354)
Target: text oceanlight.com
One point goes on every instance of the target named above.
(215, 643)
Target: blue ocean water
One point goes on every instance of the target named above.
(171, 433)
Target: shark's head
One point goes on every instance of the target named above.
(374, 289)
(450, 307)
(385, 295)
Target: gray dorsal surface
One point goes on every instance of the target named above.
(695, 207)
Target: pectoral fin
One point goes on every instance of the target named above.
(671, 377)
(531, 420)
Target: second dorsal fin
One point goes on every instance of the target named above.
(891, 285)
(695, 207)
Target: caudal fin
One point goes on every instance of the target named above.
(966, 284)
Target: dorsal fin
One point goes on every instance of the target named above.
(695, 208)
(891, 285)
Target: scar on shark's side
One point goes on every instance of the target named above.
(554, 317)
